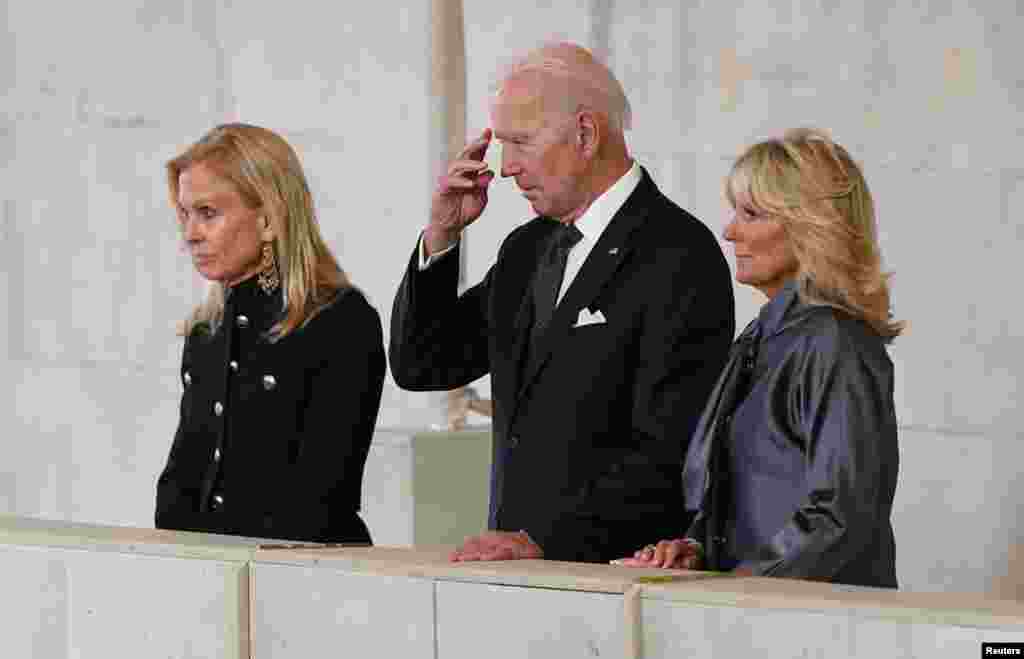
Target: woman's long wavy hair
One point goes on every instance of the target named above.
(815, 189)
(267, 174)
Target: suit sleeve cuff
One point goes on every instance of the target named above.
(426, 261)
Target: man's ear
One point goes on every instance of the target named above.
(588, 133)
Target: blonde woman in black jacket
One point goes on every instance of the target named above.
(283, 363)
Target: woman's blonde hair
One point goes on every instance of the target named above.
(815, 189)
(268, 176)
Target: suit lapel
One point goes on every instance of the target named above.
(521, 337)
(515, 343)
(604, 261)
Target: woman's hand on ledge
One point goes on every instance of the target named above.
(678, 553)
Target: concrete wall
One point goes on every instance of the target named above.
(925, 94)
(73, 590)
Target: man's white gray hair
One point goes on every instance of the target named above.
(587, 82)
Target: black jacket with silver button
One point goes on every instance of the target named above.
(273, 437)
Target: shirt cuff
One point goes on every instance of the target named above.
(427, 261)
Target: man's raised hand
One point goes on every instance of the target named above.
(460, 196)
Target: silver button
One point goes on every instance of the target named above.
(216, 455)
(234, 365)
(269, 382)
(243, 321)
(188, 378)
(218, 499)
(218, 409)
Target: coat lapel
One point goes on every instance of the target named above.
(722, 402)
(610, 252)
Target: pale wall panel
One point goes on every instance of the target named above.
(735, 632)
(317, 612)
(472, 620)
(957, 514)
(960, 374)
(723, 631)
(87, 441)
(65, 604)
(356, 72)
(89, 62)
(36, 614)
(11, 257)
(96, 282)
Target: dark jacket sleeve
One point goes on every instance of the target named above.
(439, 339)
(178, 487)
(336, 425)
(842, 392)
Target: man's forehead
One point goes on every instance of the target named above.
(519, 106)
(521, 111)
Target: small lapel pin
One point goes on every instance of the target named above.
(613, 251)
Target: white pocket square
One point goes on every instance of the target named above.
(587, 317)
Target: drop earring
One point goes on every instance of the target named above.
(269, 278)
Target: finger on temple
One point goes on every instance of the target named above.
(476, 149)
(457, 185)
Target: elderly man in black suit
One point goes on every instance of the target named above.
(604, 321)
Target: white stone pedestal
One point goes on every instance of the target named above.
(427, 488)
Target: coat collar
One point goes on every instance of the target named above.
(775, 315)
(247, 299)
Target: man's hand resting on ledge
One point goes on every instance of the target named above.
(497, 546)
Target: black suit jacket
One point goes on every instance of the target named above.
(588, 443)
(287, 450)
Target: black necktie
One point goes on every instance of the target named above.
(548, 280)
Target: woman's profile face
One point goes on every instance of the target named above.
(764, 256)
(224, 236)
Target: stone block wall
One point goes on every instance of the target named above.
(926, 95)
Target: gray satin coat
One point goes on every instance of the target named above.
(813, 451)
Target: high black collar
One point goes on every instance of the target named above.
(248, 299)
